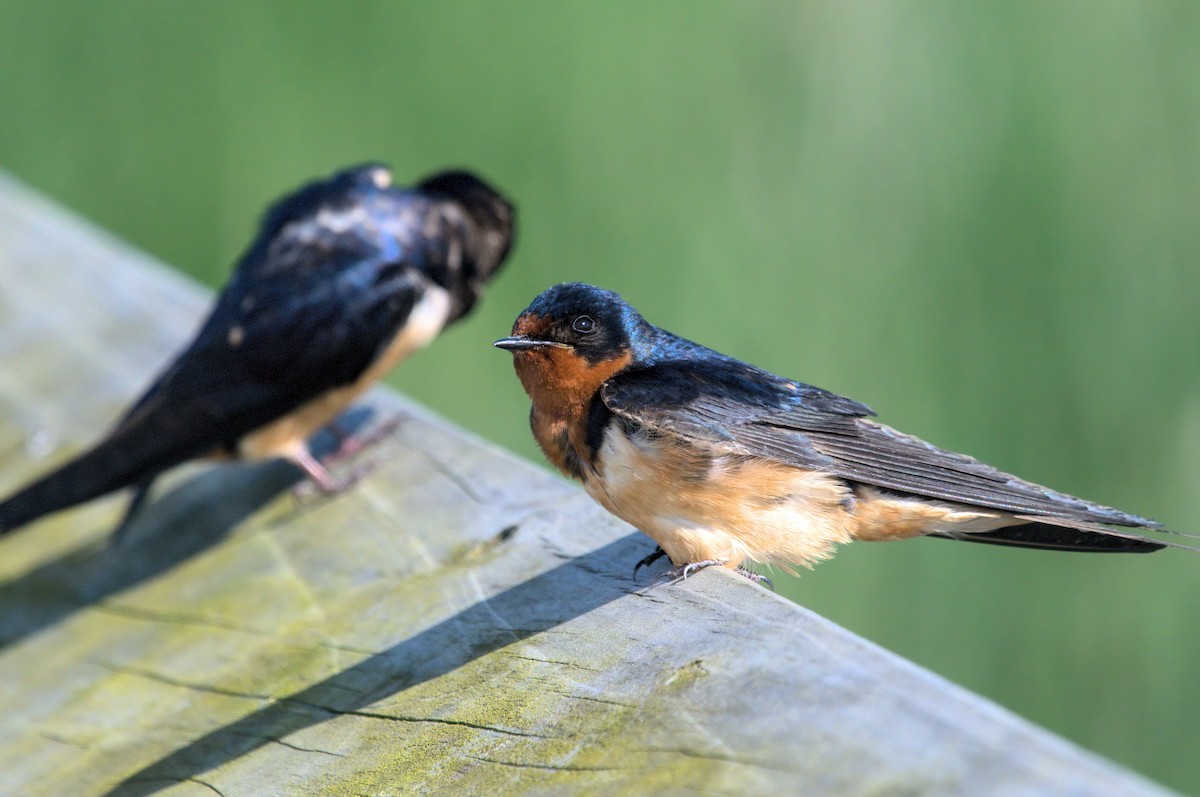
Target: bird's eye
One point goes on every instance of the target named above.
(584, 325)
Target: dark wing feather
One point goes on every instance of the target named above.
(723, 399)
(881, 456)
(742, 409)
(275, 342)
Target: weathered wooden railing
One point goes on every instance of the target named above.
(460, 623)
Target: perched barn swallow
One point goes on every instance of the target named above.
(723, 463)
(346, 277)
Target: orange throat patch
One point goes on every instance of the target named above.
(562, 385)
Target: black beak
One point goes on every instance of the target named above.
(520, 342)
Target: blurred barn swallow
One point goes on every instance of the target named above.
(722, 463)
(346, 277)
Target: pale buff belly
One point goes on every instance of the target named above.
(724, 507)
(287, 436)
(735, 509)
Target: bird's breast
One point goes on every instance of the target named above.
(564, 389)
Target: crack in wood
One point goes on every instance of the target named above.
(548, 767)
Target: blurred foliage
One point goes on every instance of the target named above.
(979, 218)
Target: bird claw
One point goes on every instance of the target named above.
(757, 578)
(683, 571)
(648, 560)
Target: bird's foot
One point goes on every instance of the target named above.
(683, 571)
(350, 445)
(321, 481)
(330, 484)
(757, 578)
(646, 561)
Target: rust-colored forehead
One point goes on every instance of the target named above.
(531, 325)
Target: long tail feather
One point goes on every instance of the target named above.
(1055, 534)
(130, 456)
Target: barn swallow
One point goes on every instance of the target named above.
(346, 277)
(723, 463)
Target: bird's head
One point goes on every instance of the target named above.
(571, 339)
(492, 221)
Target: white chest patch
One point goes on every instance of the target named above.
(425, 321)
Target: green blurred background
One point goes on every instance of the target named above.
(980, 218)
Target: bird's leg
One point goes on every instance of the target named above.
(141, 491)
(349, 444)
(646, 561)
(320, 479)
(318, 476)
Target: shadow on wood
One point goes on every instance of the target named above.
(208, 506)
(538, 605)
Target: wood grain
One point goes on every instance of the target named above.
(460, 623)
